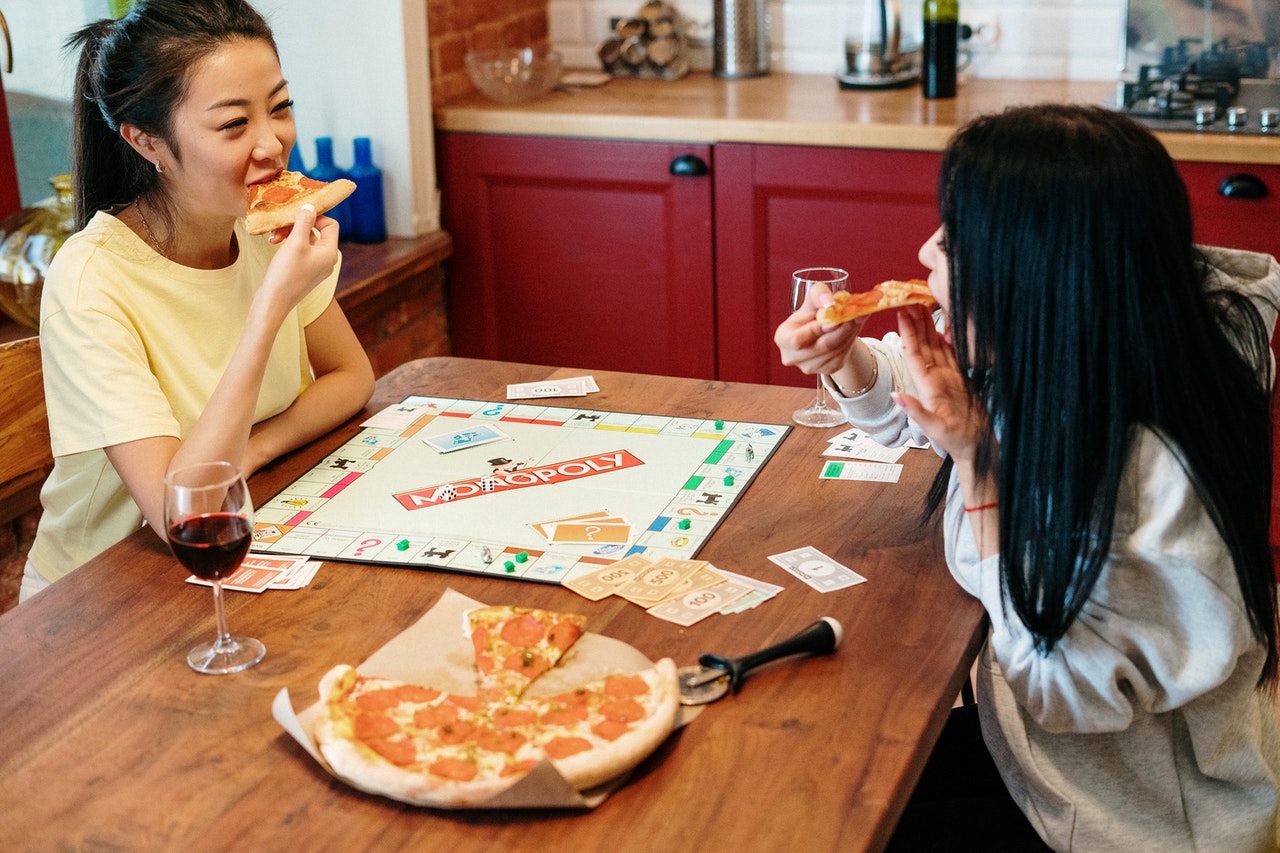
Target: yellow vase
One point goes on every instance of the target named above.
(28, 241)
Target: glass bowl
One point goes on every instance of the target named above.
(514, 75)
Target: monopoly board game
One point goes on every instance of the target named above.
(517, 489)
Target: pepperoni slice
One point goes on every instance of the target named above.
(455, 733)
(563, 634)
(610, 729)
(378, 700)
(512, 717)
(453, 768)
(518, 767)
(523, 631)
(276, 194)
(414, 693)
(621, 686)
(530, 664)
(500, 740)
(563, 747)
(622, 710)
(399, 751)
(467, 703)
(370, 726)
(435, 716)
(567, 715)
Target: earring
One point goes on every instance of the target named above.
(159, 168)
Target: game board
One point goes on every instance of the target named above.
(516, 489)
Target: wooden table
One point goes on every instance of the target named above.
(109, 741)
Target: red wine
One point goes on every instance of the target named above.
(941, 40)
(211, 545)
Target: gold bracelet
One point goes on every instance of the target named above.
(875, 374)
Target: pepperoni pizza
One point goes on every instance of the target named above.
(430, 747)
(881, 297)
(274, 204)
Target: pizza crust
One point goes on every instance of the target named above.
(268, 216)
(610, 760)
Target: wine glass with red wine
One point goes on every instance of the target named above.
(208, 516)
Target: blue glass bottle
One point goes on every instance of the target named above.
(295, 160)
(326, 170)
(368, 216)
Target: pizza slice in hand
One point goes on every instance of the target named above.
(514, 645)
(275, 203)
(881, 297)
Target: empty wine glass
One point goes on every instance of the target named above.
(208, 516)
(819, 414)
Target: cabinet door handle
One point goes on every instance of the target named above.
(1242, 185)
(689, 166)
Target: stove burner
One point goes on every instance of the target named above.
(1197, 91)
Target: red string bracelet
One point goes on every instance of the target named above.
(991, 505)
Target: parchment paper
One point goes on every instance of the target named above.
(437, 652)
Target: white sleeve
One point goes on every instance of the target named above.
(874, 411)
(1164, 623)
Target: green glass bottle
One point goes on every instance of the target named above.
(941, 39)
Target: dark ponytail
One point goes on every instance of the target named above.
(135, 71)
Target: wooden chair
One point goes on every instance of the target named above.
(25, 456)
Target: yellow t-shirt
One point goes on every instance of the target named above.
(133, 345)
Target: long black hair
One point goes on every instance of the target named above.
(1080, 312)
(135, 71)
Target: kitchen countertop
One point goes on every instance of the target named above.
(800, 109)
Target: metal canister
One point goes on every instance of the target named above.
(741, 38)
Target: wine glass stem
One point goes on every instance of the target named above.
(821, 402)
(224, 635)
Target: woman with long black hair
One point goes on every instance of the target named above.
(1099, 387)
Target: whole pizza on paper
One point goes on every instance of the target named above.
(427, 746)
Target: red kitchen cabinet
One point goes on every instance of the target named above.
(587, 252)
(1238, 220)
(580, 253)
(677, 258)
(779, 208)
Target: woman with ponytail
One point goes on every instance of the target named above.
(1099, 388)
(169, 335)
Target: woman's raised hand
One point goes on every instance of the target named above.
(805, 343)
(954, 421)
(307, 256)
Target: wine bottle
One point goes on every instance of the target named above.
(368, 219)
(941, 40)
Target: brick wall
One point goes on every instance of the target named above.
(458, 26)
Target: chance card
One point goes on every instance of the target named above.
(472, 436)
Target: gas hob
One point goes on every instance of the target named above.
(1222, 90)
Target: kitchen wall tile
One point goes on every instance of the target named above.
(567, 22)
(1075, 39)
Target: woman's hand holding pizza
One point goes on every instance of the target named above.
(308, 253)
(954, 421)
(809, 345)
